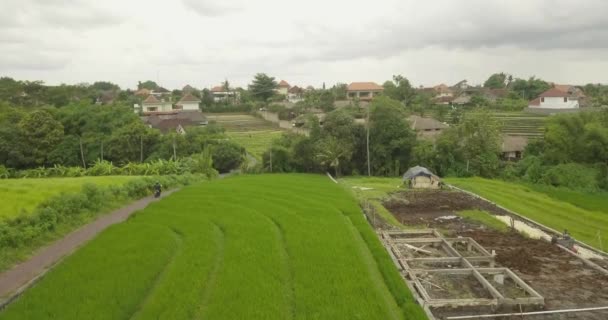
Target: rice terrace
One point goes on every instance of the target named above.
(290, 247)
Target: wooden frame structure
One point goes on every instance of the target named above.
(473, 260)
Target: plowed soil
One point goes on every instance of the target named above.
(563, 280)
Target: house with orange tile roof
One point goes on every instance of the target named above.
(188, 102)
(283, 88)
(220, 93)
(363, 90)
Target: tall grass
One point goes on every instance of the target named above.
(21, 196)
(61, 213)
(248, 247)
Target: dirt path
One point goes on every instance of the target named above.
(16, 279)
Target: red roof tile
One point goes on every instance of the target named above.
(284, 84)
(535, 102)
(553, 93)
(151, 99)
(364, 86)
(189, 98)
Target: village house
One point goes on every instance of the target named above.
(175, 121)
(283, 88)
(188, 89)
(188, 102)
(512, 147)
(143, 93)
(554, 99)
(153, 104)
(443, 90)
(462, 85)
(220, 93)
(574, 93)
(421, 178)
(295, 94)
(426, 128)
(160, 92)
(363, 90)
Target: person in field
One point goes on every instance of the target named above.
(157, 189)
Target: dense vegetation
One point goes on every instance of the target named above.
(58, 214)
(573, 154)
(292, 247)
(80, 135)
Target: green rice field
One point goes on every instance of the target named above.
(255, 142)
(21, 196)
(582, 214)
(245, 247)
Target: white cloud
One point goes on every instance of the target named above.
(202, 42)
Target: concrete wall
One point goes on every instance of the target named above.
(283, 124)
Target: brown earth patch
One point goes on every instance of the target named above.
(563, 280)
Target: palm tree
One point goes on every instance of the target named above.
(329, 153)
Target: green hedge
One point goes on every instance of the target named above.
(62, 213)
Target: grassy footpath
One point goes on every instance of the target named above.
(21, 196)
(255, 142)
(546, 208)
(248, 247)
(484, 218)
(373, 190)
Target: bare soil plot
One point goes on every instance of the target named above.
(563, 280)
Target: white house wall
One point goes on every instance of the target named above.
(189, 106)
(557, 103)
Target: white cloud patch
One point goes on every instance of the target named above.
(203, 42)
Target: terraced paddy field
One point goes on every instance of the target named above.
(21, 196)
(521, 123)
(240, 122)
(584, 215)
(255, 142)
(247, 247)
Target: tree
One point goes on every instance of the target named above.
(262, 88)
(148, 84)
(391, 138)
(39, 134)
(529, 89)
(207, 98)
(480, 140)
(399, 89)
(497, 81)
(330, 152)
(339, 91)
(326, 101)
(227, 156)
(105, 86)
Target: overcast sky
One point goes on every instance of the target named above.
(203, 42)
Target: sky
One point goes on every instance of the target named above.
(204, 42)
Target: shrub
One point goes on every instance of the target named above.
(227, 156)
(573, 176)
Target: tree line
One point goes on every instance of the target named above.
(81, 134)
